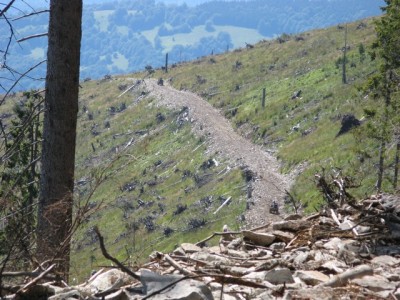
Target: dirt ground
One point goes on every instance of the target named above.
(269, 183)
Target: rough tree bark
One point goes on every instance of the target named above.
(59, 133)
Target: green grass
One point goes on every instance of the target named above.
(163, 163)
(302, 131)
(240, 36)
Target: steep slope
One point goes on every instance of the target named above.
(161, 184)
(268, 185)
(304, 105)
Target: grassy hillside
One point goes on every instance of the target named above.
(153, 184)
(158, 185)
(302, 130)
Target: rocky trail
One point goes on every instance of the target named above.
(268, 183)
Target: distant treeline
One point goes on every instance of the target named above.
(113, 41)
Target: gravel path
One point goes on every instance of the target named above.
(270, 184)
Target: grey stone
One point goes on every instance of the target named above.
(236, 243)
(311, 277)
(375, 283)
(179, 251)
(301, 258)
(113, 278)
(190, 248)
(278, 246)
(279, 276)
(333, 244)
(283, 236)
(385, 260)
(261, 239)
(290, 225)
(210, 258)
(182, 290)
(320, 256)
(335, 265)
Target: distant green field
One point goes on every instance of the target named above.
(239, 36)
(101, 17)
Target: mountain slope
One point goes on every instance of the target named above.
(161, 184)
(268, 185)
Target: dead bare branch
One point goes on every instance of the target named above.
(34, 281)
(19, 79)
(6, 8)
(31, 14)
(113, 259)
(33, 36)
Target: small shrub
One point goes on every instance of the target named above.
(179, 209)
(196, 223)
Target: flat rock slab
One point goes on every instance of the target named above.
(113, 278)
(312, 277)
(279, 276)
(290, 225)
(385, 260)
(374, 283)
(182, 290)
(260, 239)
(190, 248)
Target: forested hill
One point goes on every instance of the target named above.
(125, 36)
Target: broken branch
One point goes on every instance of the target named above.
(113, 259)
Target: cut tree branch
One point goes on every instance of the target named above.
(31, 14)
(32, 37)
(113, 259)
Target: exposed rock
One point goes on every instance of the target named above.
(312, 277)
(309, 258)
(301, 258)
(375, 283)
(111, 279)
(334, 266)
(290, 225)
(190, 248)
(385, 260)
(283, 236)
(279, 276)
(262, 239)
(183, 290)
(211, 258)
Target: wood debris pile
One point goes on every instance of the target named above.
(351, 252)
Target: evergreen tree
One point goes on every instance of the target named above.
(384, 87)
(19, 183)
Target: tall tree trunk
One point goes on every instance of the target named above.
(381, 166)
(59, 133)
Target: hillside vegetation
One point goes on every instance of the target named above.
(153, 183)
(305, 100)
